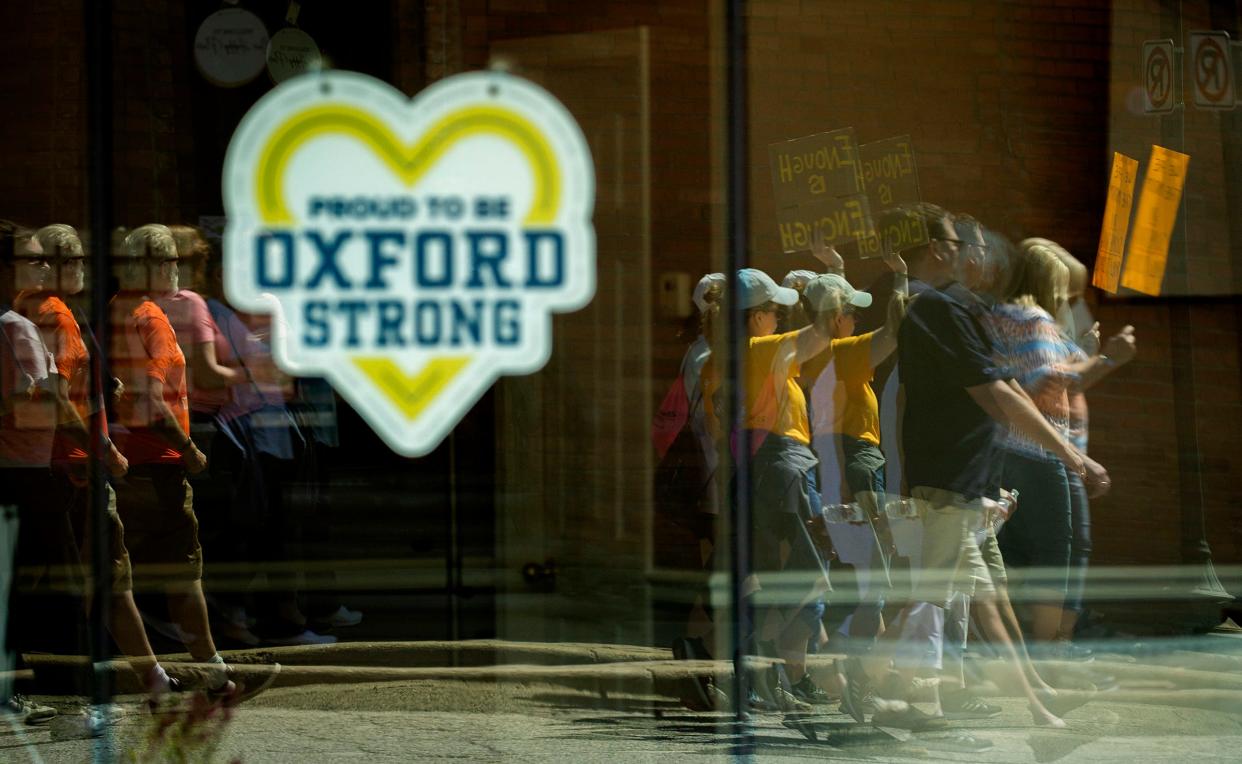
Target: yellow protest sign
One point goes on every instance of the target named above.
(846, 218)
(1116, 223)
(816, 167)
(891, 179)
(1158, 202)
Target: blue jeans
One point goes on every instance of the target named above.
(1038, 534)
(1080, 543)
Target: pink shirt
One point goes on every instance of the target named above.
(192, 321)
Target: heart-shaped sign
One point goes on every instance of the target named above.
(410, 251)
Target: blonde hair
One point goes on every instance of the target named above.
(1077, 271)
(60, 240)
(833, 304)
(151, 240)
(713, 296)
(1039, 278)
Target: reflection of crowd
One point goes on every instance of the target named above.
(197, 437)
(929, 438)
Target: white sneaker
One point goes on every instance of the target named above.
(23, 710)
(307, 637)
(90, 721)
(341, 618)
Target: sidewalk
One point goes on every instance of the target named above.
(1168, 673)
(449, 720)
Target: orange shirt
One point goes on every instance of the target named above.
(145, 350)
(63, 338)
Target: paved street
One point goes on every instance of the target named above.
(445, 720)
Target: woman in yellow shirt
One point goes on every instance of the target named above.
(777, 434)
(848, 423)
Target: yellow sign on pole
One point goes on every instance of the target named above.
(1116, 223)
(1153, 224)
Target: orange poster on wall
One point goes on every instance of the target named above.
(1116, 223)
(1153, 223)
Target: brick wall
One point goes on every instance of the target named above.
(154, 169)
(43, 124)
(1014, 109)
(1136, 424)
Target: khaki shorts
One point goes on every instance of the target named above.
(991, 552)
(156, 504)
(80, 511)
(952, 560)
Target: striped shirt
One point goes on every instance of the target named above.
(1033, 349)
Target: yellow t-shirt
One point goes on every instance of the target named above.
(856, 412)
(774, 401)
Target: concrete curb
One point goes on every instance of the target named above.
(600, 669)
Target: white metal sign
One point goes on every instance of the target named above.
(1211, 70)
(411, 251)
(1158, 76)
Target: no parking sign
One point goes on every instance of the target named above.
(1158, 76)
(1211, 69)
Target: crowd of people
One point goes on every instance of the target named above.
(200, 436)
(916, 453)
(922, 445)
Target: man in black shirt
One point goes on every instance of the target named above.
(956, 402)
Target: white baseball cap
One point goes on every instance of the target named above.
(758, 287)
(818, 289)
(705, 283)
(794, 277)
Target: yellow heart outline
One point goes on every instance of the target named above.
(410, 394)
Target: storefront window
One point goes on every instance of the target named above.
(515, 381)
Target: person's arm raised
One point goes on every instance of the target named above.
(884, 341)
(826, 253)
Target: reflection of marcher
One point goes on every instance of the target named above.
(155, 500)
(777, 432)
(44, 546)
(253, 448)
(64, 338)
(847, 425)
(685, 435)
(955, 399)
(1031, 345)
(1072, 365)
(985, 270)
